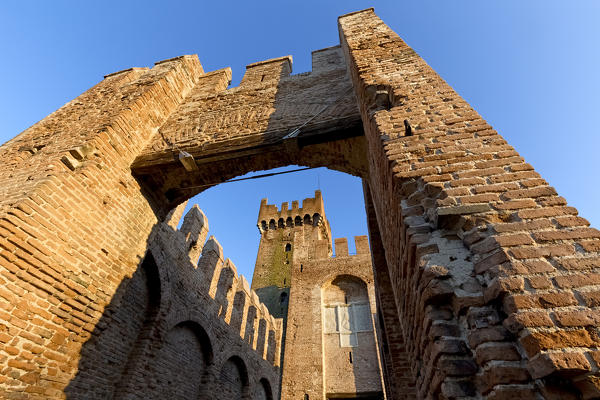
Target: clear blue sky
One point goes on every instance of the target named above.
(531, 68)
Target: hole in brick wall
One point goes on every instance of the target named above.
(407, 128)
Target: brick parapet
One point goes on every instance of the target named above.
(457, 176)
(225, 282)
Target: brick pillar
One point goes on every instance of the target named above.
(494, 275)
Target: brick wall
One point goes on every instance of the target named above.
(74, 223)
(315, 363)
(485, 259)
(189, 339)
(490, 275)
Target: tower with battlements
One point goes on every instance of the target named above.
(327, 303)
(287, 235)
(487, 280)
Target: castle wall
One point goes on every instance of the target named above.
(486, 261)
(315, 362)
(490, 275)
(180, 337)
(75, 224)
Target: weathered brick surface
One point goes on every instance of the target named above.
(521, 236)
(465, 224)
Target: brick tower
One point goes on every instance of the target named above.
(330, 330)
(286, 235)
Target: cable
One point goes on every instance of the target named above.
(249, 177)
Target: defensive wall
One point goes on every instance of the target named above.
(186, 325)
(486, 278)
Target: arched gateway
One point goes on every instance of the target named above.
(487, 282)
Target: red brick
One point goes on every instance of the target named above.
(577, 280)
(546, 212)
(561, 363)
(529, 193)
(570, 221)
(591, 298)
(516, 204)
(590, 245)
(539, 282)
(579, 263)
(543, 251)
(582, 233)
(534, 342)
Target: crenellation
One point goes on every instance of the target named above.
(327, 59)
(226, 293)
(195, 228)
(267, 72)
(311, 212)
(477, 279)
(362, 244)
(341, 247)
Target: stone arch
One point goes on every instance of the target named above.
(134, 312)
(468, 228)
(264, 390)
(289, 222)
(307, 220)
(298, 221)
(272, 224)
(316, 218)
(233, 379)
(281, 223)
(181, 365)
(346, 289)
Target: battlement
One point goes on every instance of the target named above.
(341, 247)
(312, 212)
(206, 274)
(272, 70)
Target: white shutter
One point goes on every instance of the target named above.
(329, 320)
(348, 340)
(344, 319)
(362, 318)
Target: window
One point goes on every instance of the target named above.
(347, 320)
(288, 247)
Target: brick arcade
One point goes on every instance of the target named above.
(485, 281)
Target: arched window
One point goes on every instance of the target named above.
(346, 309)
(288, 247)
